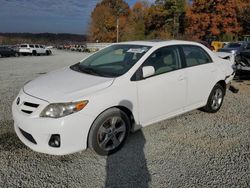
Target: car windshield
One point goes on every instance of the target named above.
(112, 61)
(233, 45)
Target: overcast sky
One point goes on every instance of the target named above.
(55, 16)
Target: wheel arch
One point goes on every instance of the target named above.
(125, 109)
(223, 84)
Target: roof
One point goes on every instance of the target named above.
(160, 43)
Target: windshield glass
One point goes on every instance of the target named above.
(112, 61)
(233, 45)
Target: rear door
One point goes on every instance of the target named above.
(201, 73)
(163, 94)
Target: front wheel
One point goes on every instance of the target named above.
(109, 131)
(215, 99)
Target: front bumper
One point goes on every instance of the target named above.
(73, 129)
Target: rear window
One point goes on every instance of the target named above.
(195, 55)
(24, 46)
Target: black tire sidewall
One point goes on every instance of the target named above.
(92, 139)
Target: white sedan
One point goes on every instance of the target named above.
(98, 101)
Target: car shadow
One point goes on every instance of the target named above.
(128, 166)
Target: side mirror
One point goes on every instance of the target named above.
(148, 71)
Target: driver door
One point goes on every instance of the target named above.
(163, 94)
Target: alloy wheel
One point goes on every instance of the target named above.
(217, 99)
(111, 133)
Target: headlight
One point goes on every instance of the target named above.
(57, 110)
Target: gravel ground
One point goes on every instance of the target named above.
(193, 150)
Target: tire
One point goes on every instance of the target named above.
(109, 132)
(215, 99)
(1, 55)
(16, 54)
(34, 53)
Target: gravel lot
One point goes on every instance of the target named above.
(193, 150)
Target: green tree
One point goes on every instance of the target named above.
(244, 19)
(174, 17)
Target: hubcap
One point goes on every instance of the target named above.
(217, 99)
(111, 133)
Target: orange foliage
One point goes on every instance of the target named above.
(212, 18)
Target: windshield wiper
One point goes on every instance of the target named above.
(88, 70)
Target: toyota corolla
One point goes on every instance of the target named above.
(97, 102)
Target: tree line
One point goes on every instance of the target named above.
(167, 19)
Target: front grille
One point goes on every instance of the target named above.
(28, 136)
(28, 107)
(26, 111)
(30, 104)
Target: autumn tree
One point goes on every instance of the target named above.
(135, 26)
(104, 20)
(212, 18)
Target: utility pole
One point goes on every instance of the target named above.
(117, 29)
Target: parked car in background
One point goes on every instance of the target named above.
(33, 49)
(82, 48)
(96, 103)
(236, 47)
(6, 51)
(241, 53)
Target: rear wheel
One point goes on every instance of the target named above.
(47, 52)
(215, 99)
(34, 53)
(109, 131)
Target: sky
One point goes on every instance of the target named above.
(52, 16)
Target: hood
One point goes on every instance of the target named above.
(65, 85)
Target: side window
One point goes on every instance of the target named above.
(36, 46)
(195, 55)
(164, 60)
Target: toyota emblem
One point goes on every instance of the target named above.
(18, 101)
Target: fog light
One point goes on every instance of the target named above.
(55, 141)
